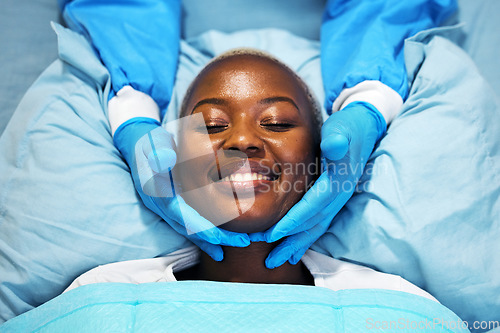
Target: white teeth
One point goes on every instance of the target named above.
(244, 177)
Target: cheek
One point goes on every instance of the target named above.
(193, 145)
(297, 157)
(298, 150)
(194, 156)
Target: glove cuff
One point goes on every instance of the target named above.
(129, 103)
(386, 100)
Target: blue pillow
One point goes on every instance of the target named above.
(429, 207)
(67, 202)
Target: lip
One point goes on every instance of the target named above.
(243, 190)
(229, 165)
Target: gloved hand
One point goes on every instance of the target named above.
(347, 139)
(149, 151)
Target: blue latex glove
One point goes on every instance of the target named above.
(137, 41)
(347, 140)
(364, 40)
(149, 151)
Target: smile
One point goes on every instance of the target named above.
(244, 184)
(235, 167)
(245, 177)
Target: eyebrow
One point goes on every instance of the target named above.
(268, 100)
(215, 101)
(276, 99)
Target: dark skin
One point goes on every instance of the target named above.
(253, 107)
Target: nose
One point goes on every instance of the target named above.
(243, 136)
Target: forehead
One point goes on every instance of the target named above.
(243, 74)
(251, 63)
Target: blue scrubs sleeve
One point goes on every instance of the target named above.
(363, 40)
(137, 41)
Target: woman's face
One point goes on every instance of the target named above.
(260, 126)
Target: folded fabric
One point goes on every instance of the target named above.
(200, 306)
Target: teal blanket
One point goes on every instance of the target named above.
(195, 306)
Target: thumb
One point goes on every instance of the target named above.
(334, 146)
(162, 159)
(159, 147)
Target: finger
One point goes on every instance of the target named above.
(159, 147)
(311, 223)
(317, 198)
(214, 251)
(154, 155)
(334, 146)
(158, 185)
(225, 237)
(188, 218)
(194, 223)
(234, 239)
(294, 259)
(281, 253)
(308, 239)
(257, 237)
(162, 160)
(293, 247)
(326, 215)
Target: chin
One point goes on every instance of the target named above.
(244, 215)
(248, 223)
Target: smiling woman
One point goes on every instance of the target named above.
(248, 147)
(259, 117)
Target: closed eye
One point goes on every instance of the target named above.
(278, 127)
(212, 129)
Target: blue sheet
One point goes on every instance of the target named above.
(428, 209)
(196, 306)
(28, 46)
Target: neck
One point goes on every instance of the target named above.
(248, 265)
